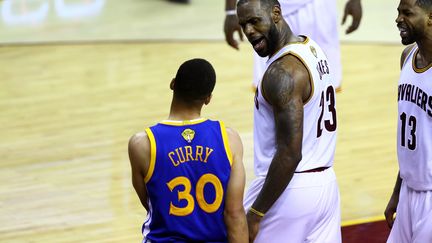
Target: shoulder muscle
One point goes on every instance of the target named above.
(405, 53)
(139, 152)
(285, 79)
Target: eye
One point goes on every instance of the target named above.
(254, 21)
(407, 13)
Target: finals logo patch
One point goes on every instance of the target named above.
(313, 51)
(188, 135)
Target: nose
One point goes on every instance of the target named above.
(399, 19)
(249, 29)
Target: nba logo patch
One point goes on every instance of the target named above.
(313, 51)
(188, 135)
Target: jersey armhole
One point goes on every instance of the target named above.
(226, 142)
(309, 73)
(406, 54)
(152, 155)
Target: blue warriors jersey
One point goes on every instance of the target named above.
(186, 182)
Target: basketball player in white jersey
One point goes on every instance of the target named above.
(412, 196)
(295, 196)
(316, 19)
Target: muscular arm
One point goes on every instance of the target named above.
(284, 89)
(139, 156)
(285, 86)
(234, 214)
(231, 25)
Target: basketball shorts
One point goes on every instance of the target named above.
(413, 221)
(307, 211)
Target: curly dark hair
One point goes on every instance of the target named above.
(195, 80)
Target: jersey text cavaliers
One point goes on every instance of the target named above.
(415, 95)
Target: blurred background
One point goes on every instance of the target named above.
(79, 77)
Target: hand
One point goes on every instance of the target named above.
(391, 209)
(353, 8)
(253, 221)
(230, 27)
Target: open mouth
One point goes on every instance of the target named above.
(403, 31)
(258, 43)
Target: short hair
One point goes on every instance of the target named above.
(424, 4)
(195, 80)
(264, 3)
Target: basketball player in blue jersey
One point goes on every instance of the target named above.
(295, 196)
(188, 170)
(411, 199)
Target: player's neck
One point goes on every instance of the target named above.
(181, 112)
(425, 51)
(287, 36)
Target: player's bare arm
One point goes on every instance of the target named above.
(234, 215)
(139, 156)
(393, 202)
(231, 24)
(390, 210)
(286, 87)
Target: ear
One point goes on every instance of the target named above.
(172, 84)
(207, 100)
(276, 13)
(430, 19)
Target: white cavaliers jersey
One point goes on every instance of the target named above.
(319, 116)
(414, 136)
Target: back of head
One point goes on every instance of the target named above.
(195, 80)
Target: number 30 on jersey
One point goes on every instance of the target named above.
(184, 182)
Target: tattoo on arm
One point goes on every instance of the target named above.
(278, 86)
(281, 90)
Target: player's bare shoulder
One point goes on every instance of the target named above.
(139, 150)
(405, 53)
(139, 140)
(285, 78)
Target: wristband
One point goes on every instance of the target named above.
(253, 210)
(231, 12)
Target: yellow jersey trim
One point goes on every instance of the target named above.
(152, 155)
(416, 69)
(226, 141)
(184, 122)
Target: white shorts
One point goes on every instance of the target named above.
(321, 26)
(413, 221)
(307, 211)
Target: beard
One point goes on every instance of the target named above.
(408, 40)
(413, 36)
(272, 39)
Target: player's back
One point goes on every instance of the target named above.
(188, 177)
